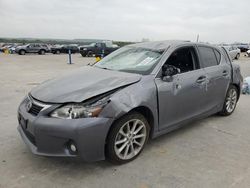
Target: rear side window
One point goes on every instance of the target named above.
(208, 56)
(218, 56)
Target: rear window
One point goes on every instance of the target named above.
(208, 56)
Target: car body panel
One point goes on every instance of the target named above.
(82, 84)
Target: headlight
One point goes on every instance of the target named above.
(80, 110)
(84, 48)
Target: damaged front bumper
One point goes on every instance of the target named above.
(52, 136)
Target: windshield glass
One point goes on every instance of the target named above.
(92, 44)
(131, 59)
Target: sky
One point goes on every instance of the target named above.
(215, 21)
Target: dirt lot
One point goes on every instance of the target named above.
(213, 152)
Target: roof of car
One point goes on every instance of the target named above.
(159, 45)
(163, 45)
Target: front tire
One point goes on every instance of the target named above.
(230, 101)
(22, 52)
(127, 138)
(90, 54)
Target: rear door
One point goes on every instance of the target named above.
(218, 74)
(183, 97)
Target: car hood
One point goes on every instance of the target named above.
(82, 84)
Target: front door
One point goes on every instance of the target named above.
(181, 97)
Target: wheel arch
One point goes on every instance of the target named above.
(143, 110)
(22, 50)
(238, 89)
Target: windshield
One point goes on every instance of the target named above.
(92, 44)
(131, 59)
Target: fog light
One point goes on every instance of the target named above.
(72, 147)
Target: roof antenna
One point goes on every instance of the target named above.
(197, 39)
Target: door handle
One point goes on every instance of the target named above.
(224, 73)
(201, 79)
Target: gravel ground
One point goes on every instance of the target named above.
(213, 152)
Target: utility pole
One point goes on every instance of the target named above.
(197, 39)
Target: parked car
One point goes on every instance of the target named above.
(32, 48)
(99, 49)
(248, 53)
(64, 49)
(242, 46)
(139, 92)
(6, 46)
(233, 51)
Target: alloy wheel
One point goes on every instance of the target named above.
(231, 100)
(130, 139)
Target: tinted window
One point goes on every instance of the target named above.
(99, 45)
(208, 56)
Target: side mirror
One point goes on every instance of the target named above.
(168, 71)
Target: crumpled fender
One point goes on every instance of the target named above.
(140, 94)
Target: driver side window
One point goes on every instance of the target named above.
(184, 59)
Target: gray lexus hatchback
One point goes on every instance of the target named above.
(110, 110)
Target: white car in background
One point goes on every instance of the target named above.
(248, 53)
(233, 51)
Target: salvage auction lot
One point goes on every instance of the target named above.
(213, 152)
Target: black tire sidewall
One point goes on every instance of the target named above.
(42, 52)
(22, 52)
(90, 54)
(110, 151)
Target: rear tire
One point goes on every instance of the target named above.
(127, 138)
(41, 52)
(230, 101)
(57, 51)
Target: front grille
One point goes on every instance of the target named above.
(35, 109)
